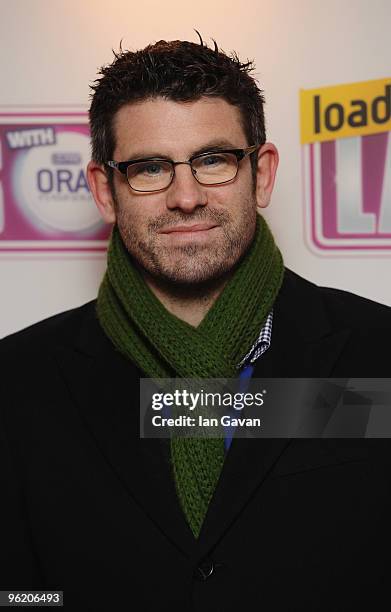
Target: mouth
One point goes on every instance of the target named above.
(188, 229)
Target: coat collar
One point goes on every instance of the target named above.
(105, 386)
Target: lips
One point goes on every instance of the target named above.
(198, 227)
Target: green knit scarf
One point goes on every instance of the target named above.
(164, 346)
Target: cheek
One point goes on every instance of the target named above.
(240, 200)
(130, 220)
(135, 216)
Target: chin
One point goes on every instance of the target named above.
(189, 279)
(189, 265)
(192, 273)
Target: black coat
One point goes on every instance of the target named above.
(90, 508)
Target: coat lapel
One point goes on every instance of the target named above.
(105, 387)
(303, 345)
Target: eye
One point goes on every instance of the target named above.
(150, 169)
(212, 160)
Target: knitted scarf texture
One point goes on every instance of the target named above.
(164, 346)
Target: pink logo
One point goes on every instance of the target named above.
(345, 133)
(45, 201)
(348, 193)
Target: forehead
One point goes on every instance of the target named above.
(173, 128)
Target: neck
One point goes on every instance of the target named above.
(190, 303)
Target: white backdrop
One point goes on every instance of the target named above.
(50, 51)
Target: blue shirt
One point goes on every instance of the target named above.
(246, 367)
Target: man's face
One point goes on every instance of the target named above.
(221, 218)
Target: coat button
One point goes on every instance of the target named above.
(205, 569)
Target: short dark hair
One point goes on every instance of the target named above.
(176, 70)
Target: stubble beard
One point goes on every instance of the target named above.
(190, 265)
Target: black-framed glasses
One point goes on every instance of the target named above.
(154, 174)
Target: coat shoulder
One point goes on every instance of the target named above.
(343, 308)
(56, 329)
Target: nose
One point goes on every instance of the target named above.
(185, 193)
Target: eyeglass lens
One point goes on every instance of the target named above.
(208, 169)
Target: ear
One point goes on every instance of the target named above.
(266, 173)
(100, 189)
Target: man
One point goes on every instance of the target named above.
(195, 287)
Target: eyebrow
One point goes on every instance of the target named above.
(212, 145)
